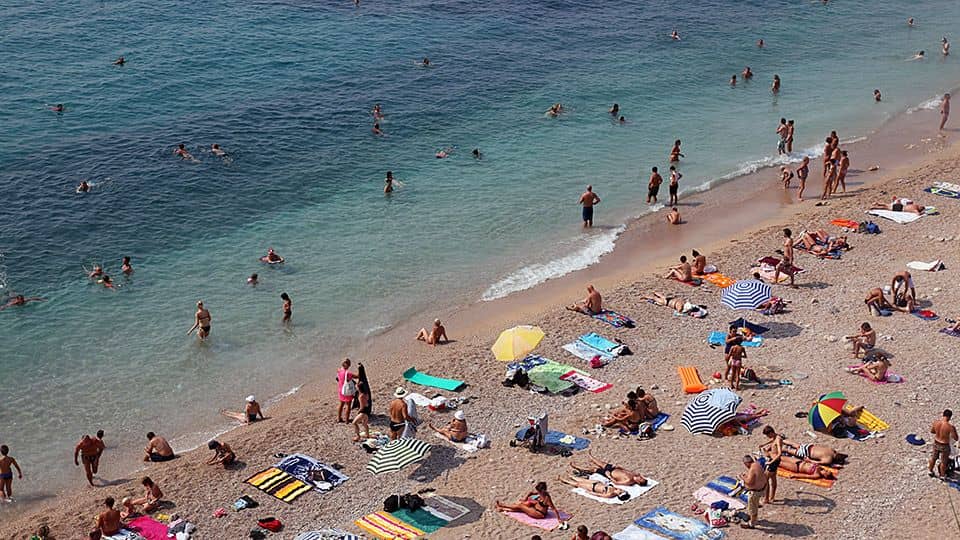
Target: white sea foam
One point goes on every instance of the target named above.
(928, 105)
(530, 276)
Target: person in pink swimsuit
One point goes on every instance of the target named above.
(346, 400)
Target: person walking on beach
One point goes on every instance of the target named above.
(755, 482)
(674, 186)
(588, 199)
(287, 308)
(782, 131)
(7, 464)
(842, 172)
(829, 179)
(786, 264)
(944, 433)
(201, 322)
(653, 187)
(157, 449)
(944, 110)
(346, 388)
(89, 451)
(790, 128)
(803, 171)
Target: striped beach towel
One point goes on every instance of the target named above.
(280, 484)
(383, 525)
(585, 381)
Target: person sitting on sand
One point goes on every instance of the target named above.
(817, 453)
(272, 257)
(108, 521)
(699, 267)
(805, 470)
(673, 217)
(616, 474)
(158, 449)
(683, 272)
(251, 412)
(536, 503)
(591, 305)
(596, 488)
(151, 496)
(864, 341)
(222, 454)
(647, 404)
(456, 430)
(627, 417)
(20, 300)
(436, 335)
(874, 369)
(904, 292)
(900, 204)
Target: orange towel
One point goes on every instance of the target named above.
(848, 223)
(823, 482)
(718, 279)
(690, 380)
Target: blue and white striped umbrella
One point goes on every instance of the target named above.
(707, 410)
(745, 294)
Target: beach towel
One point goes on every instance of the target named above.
(772, 262)
(124, 534)
(548, 376)
(944, 189)
(925, 314)
(677, 527)
(528, 363)
(871, 422)
(845, 223)
(148, 528)
(585, 352)
(724, 485)
(383, 525)
(659, 420)
(690, 380)
(614, 319)
(548, 523)
(634, 491)
(559, 438)
(720, 338)
(949, 332)
(585, 381)
(932, 266)
(423, 379)
(420, 519)
(708, 496)
(632, 532)
(468, 445)
(822, 482)
(327, 534)
(444, 508)
(718, 279)
(280, 484)
(600, 343)
(891, 377)
(743, 323)
(694, 282)
(899, 217)
(303, 467)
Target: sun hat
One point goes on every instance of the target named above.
(459, 415)
(251, 399)
(399, 392)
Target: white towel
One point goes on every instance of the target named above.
(465, 446)
(926, 267)
(899, 217)
(634, 491)
(632, 532)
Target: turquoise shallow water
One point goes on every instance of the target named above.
(286, 88)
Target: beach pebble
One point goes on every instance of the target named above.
(655, 387)
(832, 338)
(936, 289)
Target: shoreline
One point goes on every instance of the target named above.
(751, 203)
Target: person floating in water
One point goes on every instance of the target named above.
(20, 300)
(675, 36)
(919, 56)
(125, 266)
(760, 43)
(253, 280)
(733, 80)
(58, 108)
(425, 62)
(910, 22)
(876, 95)
(388, 183)
(120, 61)
(182, 152)
(477, 154)
(271, 257)
(376, 129)
(216, 150)
(444, 152)
(555, 110)
(623, 120)
(84, 187)
(747, 74)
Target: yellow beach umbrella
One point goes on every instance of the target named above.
(517, 342)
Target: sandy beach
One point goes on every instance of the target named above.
(883, 492)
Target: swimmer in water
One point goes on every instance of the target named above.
(125, 266)
(426, 62)
(216, 150)
(675, 36)
(106, 282)
(733, 80)
(120, 61)
(555, 110)
(96, 272)
(182, 152)
(57, 108)
(776, 84)
(377, 112)
(615, 110)
(945, 46)
(760, 43)
(84, 187)
(376, 129)
(910, 21)
(675, 153)
(918, 56)
(445, 152)
(271, 257)
(477, 154)
(747, 74)
(622, 120)
(287, 307)
(876, 95)
(253, 280)
(20, 300)
(388, 183)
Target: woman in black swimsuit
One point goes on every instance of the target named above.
(773, 449)
(363, 402)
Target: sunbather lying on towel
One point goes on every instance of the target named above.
(900, 204)
(877, 302)
(674, 302)
(617, 475)
(591, 305)
(599, 489)
(821, 244)
(805, 470)
(535, 504)
(875, 369)
(628, 417)
(824, 455)
(456, 430)
(681, 272)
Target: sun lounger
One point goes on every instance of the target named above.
(548, 523)
(423, 379)
(899, 217)
(634, 491)
(822, 482)
(677, 527)
(383, 525)
(871, 422)
(690, 380)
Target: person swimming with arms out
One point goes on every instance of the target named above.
(97, 272)
(20, 300)
(919, 56)
(120, 61)
(217, 151)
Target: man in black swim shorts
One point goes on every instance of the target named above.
(654, 186)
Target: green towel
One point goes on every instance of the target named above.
(548, 376)
(423, 379)
(421, 519)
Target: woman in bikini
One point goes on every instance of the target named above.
(597, 488)
(628, 418)
(805, 470)
(535, 504)
(674, 302)
(823, 455)
(201, 322)
(617, 475)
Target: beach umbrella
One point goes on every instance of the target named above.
(826, 409)
(517, 342)
(396, 455)
(743, 323)
(707, 410)
(745, 294)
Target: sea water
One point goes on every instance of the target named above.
(286, 88)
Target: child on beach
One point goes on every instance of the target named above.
(734, 359)
(6, 473)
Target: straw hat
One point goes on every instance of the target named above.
(399, 392)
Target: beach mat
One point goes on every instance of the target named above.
(932, 266)
(724, 485)
(822, 482)
(845, 223)
(720, 338)
(559, 438)
(871, 422)
(949, 332)
(420, 519)
(614, 319)
(677, 527)
(327, 534)
(444, 508)
(944, 189)
(548, 523)
(632, 532)
(585, 381)
(148, 528)
(718, 280)
(383, 525)
(899, 217)
(585, 352)
(280, 484)
(423, 379)
(634, 491)
(547, 375)
(600, 343)
(892, 378)
(690, 380)
(302, 467)
(707, 496)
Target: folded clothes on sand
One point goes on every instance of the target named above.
(634, 491)
(548, 523)
(845, 223)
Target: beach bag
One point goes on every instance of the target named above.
(349, 387)
(645, 430)
(271, 524)
(412, 501)
(870, 228)
(715, 517)
(750, 375)
(391, 504)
